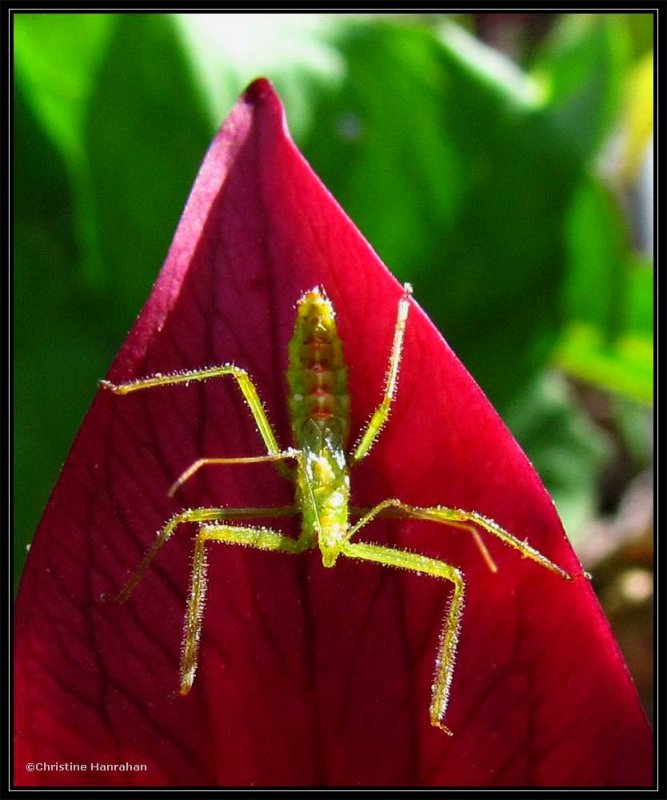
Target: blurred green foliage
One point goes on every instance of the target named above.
(474, 176)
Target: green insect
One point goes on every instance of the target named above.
(319, 410)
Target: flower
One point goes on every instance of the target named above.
(307, 675)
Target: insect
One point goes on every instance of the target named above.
(319, 402)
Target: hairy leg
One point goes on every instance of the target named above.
(381, 413)
(446, 658)
(458, 518)
(245, 384)
(199, 515)
(260, 538)
(206, 462)
(400, 512)
(438, 569)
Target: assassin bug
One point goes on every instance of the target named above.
(319, 411)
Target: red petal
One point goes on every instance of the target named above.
(307, 675)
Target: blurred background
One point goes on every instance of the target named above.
(502, 163)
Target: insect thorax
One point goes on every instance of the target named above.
(323, 486)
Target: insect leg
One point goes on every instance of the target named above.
(192, 515)
(381, 413)
(260, 538)
(457, 517)
(444, 665)
(245, 384)
(393, 512)
(205, 462)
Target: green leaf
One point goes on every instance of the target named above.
(56, 58)
(608, 340)
(145, 134)
(624, 366)
(597, 243)
(639, 314)
(581, 69)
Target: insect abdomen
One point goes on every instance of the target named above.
(317, 373)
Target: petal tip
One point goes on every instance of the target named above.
(260, 89)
